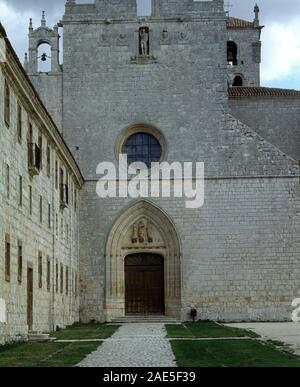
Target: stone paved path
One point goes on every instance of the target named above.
(134, 345)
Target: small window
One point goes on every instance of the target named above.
(19, 123)
(62, 228)
(41, 209)
(67, 280)
(7, 181)
(40, 270)
(44, 58)
(56, 225)
(20, 262)
(142, 147)
(76, 284)
(30, 133)
(41, 151)
(61, 278)
(238, 81)
(48, 274)
(7, 104)
(73, 281)
(49, 216)
(30, 200)
(56, 174)
(48, 161)
(20, 191)
(144, 7)
(75, 199)
(232, 51)
(56, 277)
(7, 258)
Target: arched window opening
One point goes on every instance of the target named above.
(44, 58)
(238, 81)
(232, 50)
(142, 147)
(144, 7)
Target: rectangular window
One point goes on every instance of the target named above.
(30, 133)
(62, 228)
(75, 199)
(30, 200)
(48, 274)
(7, 182)
(56, 174)
(67, 280)
(61, 278)
(73, 281)
(7, 104)
(19, 123)
(56, 224)
(56, 277)
(76, 284)
(48, 161)
(41, 151)
(40, 270)
(49, 215)
(41, 209)
(20, 191)
(7, 258)
(61, 177)
(20, 262)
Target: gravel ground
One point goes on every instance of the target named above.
(134, 345)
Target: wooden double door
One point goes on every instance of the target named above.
(144, 283)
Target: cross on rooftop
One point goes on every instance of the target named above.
(228, 6)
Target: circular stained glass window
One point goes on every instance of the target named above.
(142, 147)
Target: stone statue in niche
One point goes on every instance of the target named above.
(142, 233)
(144, 41)
(165, 35)
(135, 234)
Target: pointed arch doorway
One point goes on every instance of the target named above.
(143, 264)
(144, 284)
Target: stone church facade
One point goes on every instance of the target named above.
(186, 81)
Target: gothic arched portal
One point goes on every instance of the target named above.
(142, 229)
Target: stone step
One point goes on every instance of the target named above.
(39, 337)
(146, 319)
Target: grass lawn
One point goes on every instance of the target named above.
(55, 354)
(45, 354)
(231, 353)
(86, 332)
(206, 330)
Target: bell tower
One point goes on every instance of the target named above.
(43, 67)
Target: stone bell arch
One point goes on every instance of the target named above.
(142, 228)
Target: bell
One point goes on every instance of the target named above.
(44, 57)
(230, 56)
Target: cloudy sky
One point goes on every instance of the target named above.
(281, 36)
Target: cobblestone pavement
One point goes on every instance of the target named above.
(134, 345)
